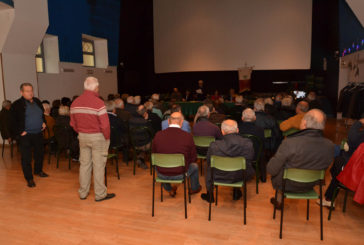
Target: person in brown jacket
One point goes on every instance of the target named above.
(295, 121)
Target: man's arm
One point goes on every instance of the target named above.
(104, 122)
(278, 161)
(287, 124)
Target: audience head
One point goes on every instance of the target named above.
(176, 118)
(47, 108)
(203, 111)
(259, 104)
(176, 108)
(148, 105)
(66, 101)
(110, 97)
(91, 84)
(130, 100)
(313, 119)
(142, 110)
(6, 104)
(268, 101)
(137, 100)
(155, 97)
(110, 106)
(119, 103)
(56, 103)
(311, 96)
(302, 107)
(239, 99)
(248, 115)
(200, 83)
(26, 90)
(175, 90)
(231, 91)
(229, 127)
(287, 102)
(64, 110)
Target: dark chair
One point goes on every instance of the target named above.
(145, 133)
(302, 176)
(334, 196)
(63, 136)
(11, 148)
(228, 164)
(258, 150)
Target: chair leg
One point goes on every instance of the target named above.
(161, 192)
(69, 160)
(134, 157)
(211, 195)
(345, 199)
(184, 186)
(11, 149)
(281, 226)
(308, 209)
(153, 198)
(201, 165)
(321, 219)
(274, 207)
(2, 153)
(245, 202)
(189, 189)
(58, 155)
(336, 192)
(216, 195)
(117, 167)
(105, 176)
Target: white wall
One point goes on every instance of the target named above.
(56, 86)
(25, 35)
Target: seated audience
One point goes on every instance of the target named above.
(123, 114)
(185, 124)
(295, 121)
(215, 116)
(130, 106)
(187, 96)
(165, 142)
(232, 95)
(238, 108)
(117, 129)
(176, 95)
(66, 101)
(215, 96)
(154, 119)
(269, 106)
(307, 149)
(202, 126)
(137, 100)
(48, 133)
(5, 121)
(231, 145)
(355, 138)
(313, 101)
(285, 110)
(157, 106)
(141, 140)
(55, 106)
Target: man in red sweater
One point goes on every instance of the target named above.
(90, 120)
(174, 140)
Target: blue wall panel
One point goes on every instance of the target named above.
(69, 19)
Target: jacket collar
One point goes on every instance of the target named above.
(308, 132)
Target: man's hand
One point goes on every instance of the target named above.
(43, 126)
(24, 133)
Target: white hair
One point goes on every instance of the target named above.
(259, 104)
(248, 115)
(229, 129)
(91, 83)
(239, 99)
(119, 103)
(137, 100)
(313, 120)
(268, 101)
(130, 99)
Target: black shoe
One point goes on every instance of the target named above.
(42, 174)
(275, 203)
(108, 196)
(206, 197)
(31, 183)
(263, 179)
(237, 194)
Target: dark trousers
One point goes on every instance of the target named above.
(31, 143)
(335, 170)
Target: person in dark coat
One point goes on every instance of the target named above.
(153, 118)
(5, 121)
(306, 149)
(117, 129)
(120, 111)
(231, 145)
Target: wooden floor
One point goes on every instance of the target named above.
(52, 213)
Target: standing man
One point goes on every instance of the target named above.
(90, 120)
(28, 121)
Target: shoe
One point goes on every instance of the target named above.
(237, 194)
(108, 196)
(325, 203)
(263, 179)
(31, 183)
(141, 164)
(42, 174)
(83, 198)
(173, 192)
(206, 197)
(275, 203)
(196, 191)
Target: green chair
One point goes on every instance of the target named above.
(169, 161)
(228, 164)
(203, 142)
(334, 196)
(258, 149)
(267, 133)
(145, 131)
(301, 176)
(289, 132)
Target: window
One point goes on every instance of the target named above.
(39, 58)
(88, 51)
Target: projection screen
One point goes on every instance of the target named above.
(218, 35)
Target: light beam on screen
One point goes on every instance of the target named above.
(215, 35)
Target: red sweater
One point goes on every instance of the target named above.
(174, 141)
(88, 115)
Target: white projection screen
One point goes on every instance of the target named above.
(220, 35)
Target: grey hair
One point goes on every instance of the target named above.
(259, 104)
(137, 100)
(248, 115)
(312, 121)
(203, 111)
(110, 105)
(287, 101)
(6, 103)
(268, 101)
(130, 99)
(119, 103)
(64, 110)
(229, 129)
(91, 83)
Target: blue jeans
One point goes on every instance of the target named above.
(192, 173)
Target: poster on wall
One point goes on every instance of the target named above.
(244, 77)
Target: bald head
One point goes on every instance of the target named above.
(176, 118)
(302, 107)
(313, 119)
(229, 127)
(248, 115)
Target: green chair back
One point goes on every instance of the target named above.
(203, 141)
(267, 133)
(290, 131)
(168, 160)
(343, 142)
(228, 163)
(303, 175)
